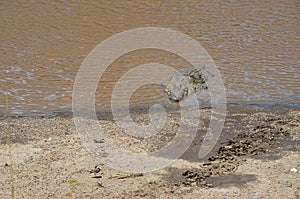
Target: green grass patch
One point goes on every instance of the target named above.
(296, 194)
(73, 182)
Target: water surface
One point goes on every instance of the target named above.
(255, 44)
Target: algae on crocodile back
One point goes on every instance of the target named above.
(185, 82)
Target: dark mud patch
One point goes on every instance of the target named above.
(261, 135)
(230, 180)
(24, 130)
(175, 176)
(17, 136)
(4, 140)
(184, 177)
(250, 132)
(281, 146)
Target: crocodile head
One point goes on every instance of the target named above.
(185, 82)
(177, 88)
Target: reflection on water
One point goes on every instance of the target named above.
(255, 44)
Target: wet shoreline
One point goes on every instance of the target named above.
(144, 108)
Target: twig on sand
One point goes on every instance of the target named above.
(125, 175)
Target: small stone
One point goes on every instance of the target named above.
(293, 170)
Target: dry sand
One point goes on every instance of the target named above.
(257, 149)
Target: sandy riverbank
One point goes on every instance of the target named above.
(253, 158)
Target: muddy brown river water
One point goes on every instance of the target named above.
(255, 44)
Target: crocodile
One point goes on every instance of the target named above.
(185, 82)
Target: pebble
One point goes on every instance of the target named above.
(293, 170)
